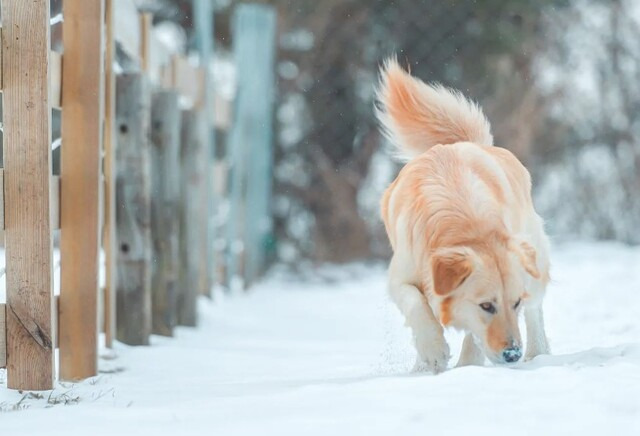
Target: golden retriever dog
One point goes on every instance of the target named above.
(469, 249)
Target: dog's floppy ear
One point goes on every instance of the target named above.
(527, 255)
(450, 267)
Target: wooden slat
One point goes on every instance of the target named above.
(80, 217)
(1, 57)
(1, 197)
(55, 60)
(188, 80)
(3, 336)
(222, 116)
(165, 170)
(191, 230)
(27, 170)
(3, 330)
(159, 59)
(54, 199)
(133, 214)
(109, 230)
(146, 23)
(203, 35)
(55, 202)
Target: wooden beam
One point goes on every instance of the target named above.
(165, 170)
(80, 212)
(159, 59)
(3, 336)
(54, 199)
(109, 231)
(55, 65)
(55, 60)
(146, 23)
(1, 198)
(222, 117)
(27, 177)
(133, 214)
(3, 330)
(203, 35)
(192, 223)
(1, 57)
(55, 202)
(188, 80)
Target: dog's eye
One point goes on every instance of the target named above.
(515, 306)
(488, 307)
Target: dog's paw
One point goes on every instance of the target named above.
(433, 355)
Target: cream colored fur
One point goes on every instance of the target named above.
(462, 226)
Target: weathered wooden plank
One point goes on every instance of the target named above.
(55, 202)
(109, 230)
(3, 331)
(159, 59)
(203, 24)
(55, 64)
(193, 176)
(55, 60)
(146, 24)
(1, 197)
(0, 57)
(3, 336)
(188, 80)
(222, 116)
(54, 199)
(133, 214)
(27, 174)
(80, 197)
(165, 169)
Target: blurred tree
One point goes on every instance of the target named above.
(328, 58)
(592, 68)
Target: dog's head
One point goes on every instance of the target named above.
(480, 290)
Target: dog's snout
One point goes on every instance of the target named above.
(512, 354)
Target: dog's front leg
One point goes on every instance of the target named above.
(433, 350)
(536, 337)
(471, 354)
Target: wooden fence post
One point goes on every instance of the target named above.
(165, 170)
(133, 213)
(254, 29)
(192, 170)
(80, 200)
(203, 23)
(109, 231)
(3, 336)
(27, 174)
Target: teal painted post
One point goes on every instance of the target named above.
(251, 139)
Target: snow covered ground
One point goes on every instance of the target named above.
(330, 356)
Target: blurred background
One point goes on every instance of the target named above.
(282, 163)
(557, 79)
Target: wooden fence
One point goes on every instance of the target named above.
(136, 180)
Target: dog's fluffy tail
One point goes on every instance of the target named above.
(416, 116)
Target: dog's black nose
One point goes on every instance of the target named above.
(512, 354)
